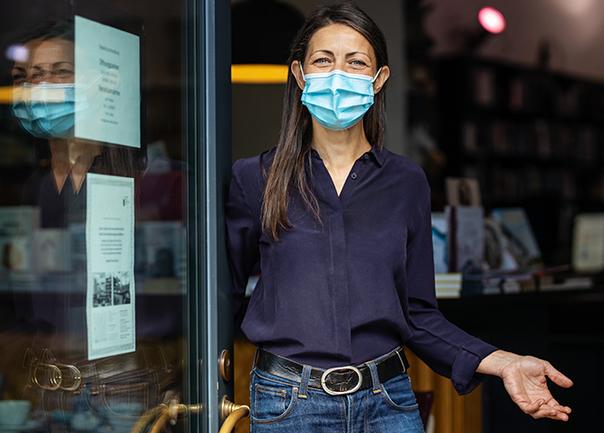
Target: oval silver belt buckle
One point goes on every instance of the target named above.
(348, 391)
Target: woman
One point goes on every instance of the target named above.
(340, 229)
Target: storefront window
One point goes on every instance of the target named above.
(93, 222)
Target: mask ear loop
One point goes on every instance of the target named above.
(302, 71)
(376, 74)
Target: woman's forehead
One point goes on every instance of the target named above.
(339, 39)
(52, 51)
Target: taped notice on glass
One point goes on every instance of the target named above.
(110, 306)
(107, 82)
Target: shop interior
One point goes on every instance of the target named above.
(502, 105)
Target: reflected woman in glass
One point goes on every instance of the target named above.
(64, 385)
(45, 105)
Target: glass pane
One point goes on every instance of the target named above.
(93, 199)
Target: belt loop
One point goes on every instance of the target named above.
(304, 381)
(255, 359)
(375, 378)
(401, 359)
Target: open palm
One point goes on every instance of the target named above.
(525, 380)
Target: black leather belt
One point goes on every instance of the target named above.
(338, 380)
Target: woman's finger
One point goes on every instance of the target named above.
(556, 376)
(554, 403)
(545, 412)
(530, 408)
(559, 415)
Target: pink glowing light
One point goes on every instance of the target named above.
(491, 20)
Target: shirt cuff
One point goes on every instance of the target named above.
(463, 373)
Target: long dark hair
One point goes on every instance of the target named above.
(287, 170)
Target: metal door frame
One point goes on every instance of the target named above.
(208, 124)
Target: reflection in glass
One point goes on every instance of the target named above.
(47, 380)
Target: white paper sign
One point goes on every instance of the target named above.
(588, 243)
(110, 306)
(107, 80)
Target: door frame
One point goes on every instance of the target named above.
(208, 125)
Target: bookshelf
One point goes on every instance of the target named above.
(532, 137)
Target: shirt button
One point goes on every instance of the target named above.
(353, 175)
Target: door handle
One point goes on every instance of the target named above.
(47, 376)
(162, 414)
(231, 413)
(74, 377)
(52, 377)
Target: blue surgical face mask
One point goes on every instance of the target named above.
(337, 99)
(46, 110)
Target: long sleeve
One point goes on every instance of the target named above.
(243, 230)
(447, 349)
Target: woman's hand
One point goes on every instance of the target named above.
(525, 380)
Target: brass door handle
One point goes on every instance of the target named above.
(52, 377)
(73, 376)
(231, 413)
(47, 376)
(160, 415)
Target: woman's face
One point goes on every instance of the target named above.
(49, 60)
(338, 46)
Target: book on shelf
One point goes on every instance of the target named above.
(466, 237)
(448, 285)
(440, 235)
(588, 243)
(17, 225)
(51, 250)
(484, 87)
(521, 241)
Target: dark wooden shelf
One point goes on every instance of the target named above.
(563, 327)
(543, 297)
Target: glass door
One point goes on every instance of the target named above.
(113, 281)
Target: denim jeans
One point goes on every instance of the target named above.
(280, 406)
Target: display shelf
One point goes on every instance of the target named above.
(532, 137)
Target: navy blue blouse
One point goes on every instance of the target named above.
(354, 285)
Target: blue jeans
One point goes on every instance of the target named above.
(278, 406)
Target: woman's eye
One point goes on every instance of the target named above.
(18, 77)
(322, 61)
(63, 73)
(17, 72)
(358, 63)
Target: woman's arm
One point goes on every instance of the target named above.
(447, 349)
(242, 230)
(525, 380)
(451, 352)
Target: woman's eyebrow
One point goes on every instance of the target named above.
(357, 52)
(322, 51)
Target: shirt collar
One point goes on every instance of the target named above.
(375, 153)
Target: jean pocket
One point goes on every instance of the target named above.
(271, 401)
(397, 392)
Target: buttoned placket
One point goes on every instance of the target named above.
(327, 184)
(335, 225)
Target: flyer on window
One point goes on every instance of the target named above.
(110, 306)
(107, 78)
